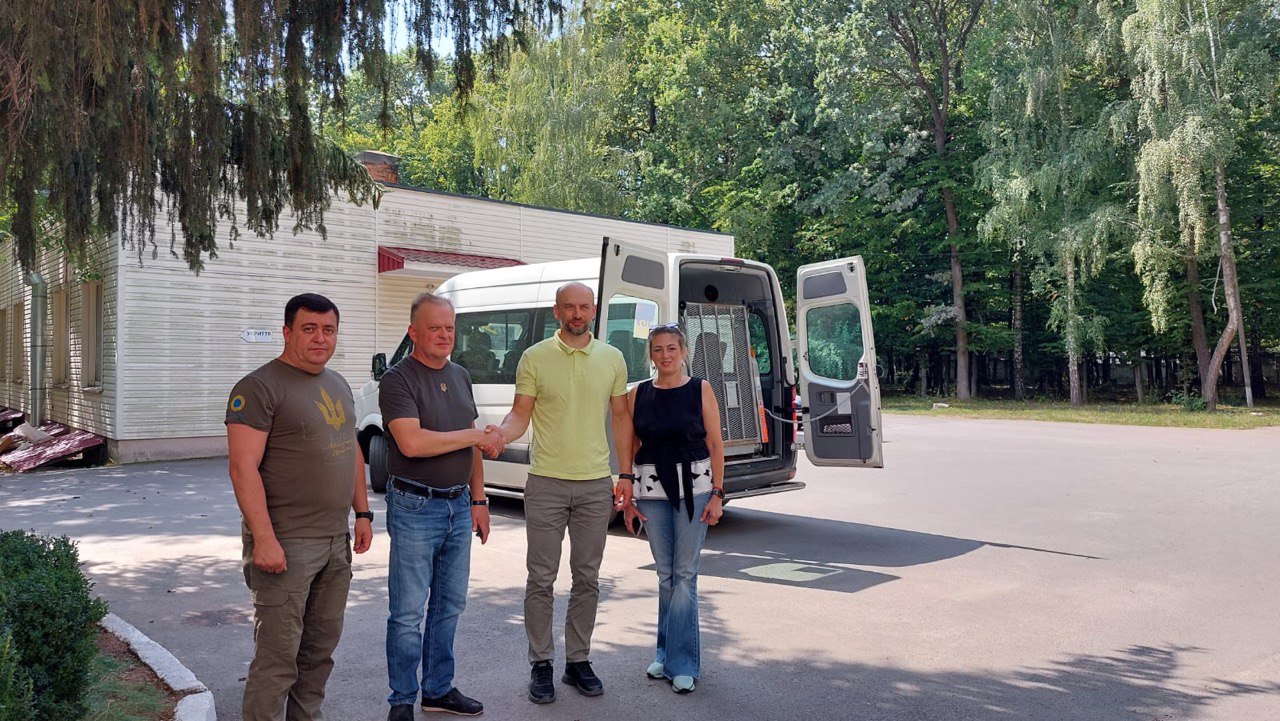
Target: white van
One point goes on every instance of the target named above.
(733, 314)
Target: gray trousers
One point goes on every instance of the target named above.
(550, 506)
(297, 621)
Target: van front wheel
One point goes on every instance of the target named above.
(378, 463)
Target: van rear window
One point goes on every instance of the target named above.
(760, 343)
(628, 331)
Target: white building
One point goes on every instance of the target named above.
(142, 351)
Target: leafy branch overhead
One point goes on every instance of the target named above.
(113, 112)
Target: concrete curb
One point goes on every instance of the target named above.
(197, 705)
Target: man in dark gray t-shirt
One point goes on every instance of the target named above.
(434, 501)
(440, 399)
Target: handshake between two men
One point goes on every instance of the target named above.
(490, 441)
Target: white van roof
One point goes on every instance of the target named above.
(535, 284)
(582, 269)
(519, 285)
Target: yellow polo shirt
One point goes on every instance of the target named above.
(571, 389)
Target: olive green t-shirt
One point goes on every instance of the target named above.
(308, 467)
(571, 389)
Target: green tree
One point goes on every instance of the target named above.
(692, 68)
(1202, 70)
(425, 125)
(903, 56)
(541, 128)
(1256, 220)
(1051, 167)
(113, 110)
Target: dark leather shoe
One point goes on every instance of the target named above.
(541, 687)
(579, 675)
(453, 702)
(401, 712)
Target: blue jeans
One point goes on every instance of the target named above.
(676, 543)
(430, 566)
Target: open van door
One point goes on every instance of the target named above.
(837, 354)
(635, 293)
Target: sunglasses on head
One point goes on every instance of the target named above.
(664, 327)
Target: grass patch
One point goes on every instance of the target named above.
(1128, 414)
(122, 688)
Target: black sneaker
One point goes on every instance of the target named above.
(401, 712)
(453, 702)
(579, 675)
(541, 687)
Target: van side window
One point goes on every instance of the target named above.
(628, 331)
(489, 344)
(549, 325)
(834, 341)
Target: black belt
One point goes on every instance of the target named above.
(417, 489)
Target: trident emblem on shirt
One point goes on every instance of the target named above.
(333, 411)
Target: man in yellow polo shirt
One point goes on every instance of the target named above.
(564, 384)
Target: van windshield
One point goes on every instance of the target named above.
(402, 351)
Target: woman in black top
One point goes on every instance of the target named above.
(679, 491)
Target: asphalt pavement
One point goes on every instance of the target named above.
(993, 570)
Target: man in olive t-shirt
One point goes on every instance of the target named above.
(297, 472)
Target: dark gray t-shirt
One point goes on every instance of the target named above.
(441, 400)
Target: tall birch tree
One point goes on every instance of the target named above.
(1201, 71)
(1051, 167)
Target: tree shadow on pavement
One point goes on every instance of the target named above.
(1134, 683)
(146, 499)
(189, 594)
(1140, 682)
(822, 553)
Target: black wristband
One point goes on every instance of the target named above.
(364, 514)
(627, 477)
(480, 502)
(718, 493)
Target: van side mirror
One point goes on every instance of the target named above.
(379, 365)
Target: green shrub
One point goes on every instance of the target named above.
(46, 607)
(1231, 397)
(15, 685)
(1189, 400)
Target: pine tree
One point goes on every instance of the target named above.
(111, 112)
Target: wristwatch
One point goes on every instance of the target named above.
(718, 493)
(364, 514)
(480, 502)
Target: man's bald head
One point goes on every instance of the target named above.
(574, 292)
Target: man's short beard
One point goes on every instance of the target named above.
(565, 327)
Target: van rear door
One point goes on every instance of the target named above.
(635, 293)
(837, 355)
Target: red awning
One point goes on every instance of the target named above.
(393, 258)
